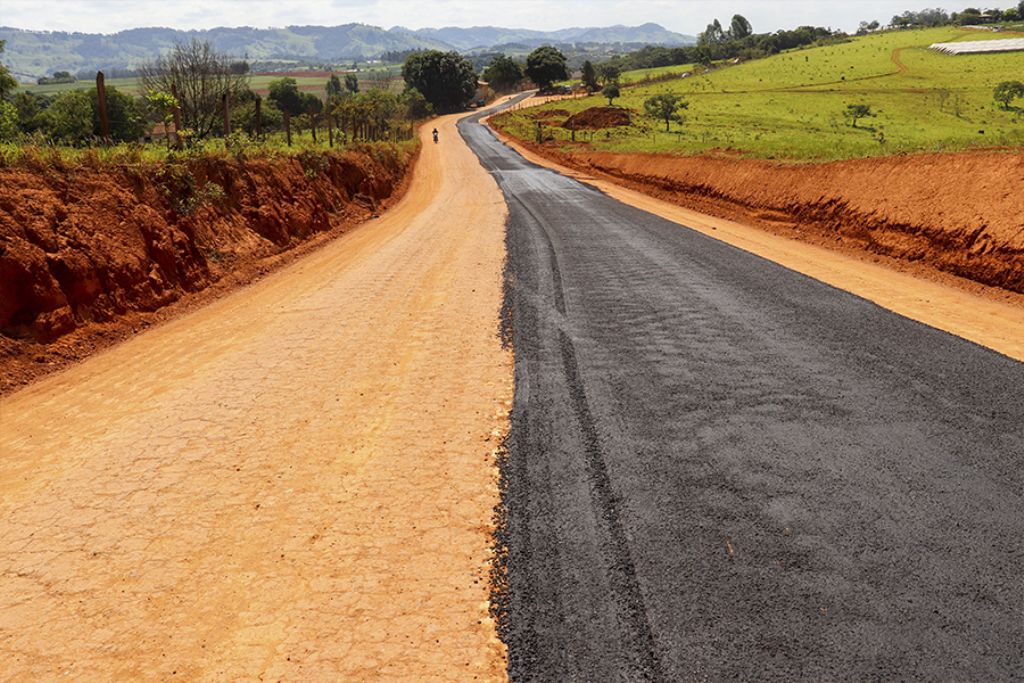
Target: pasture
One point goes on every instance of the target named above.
(792, 105)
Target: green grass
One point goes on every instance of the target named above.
(791, 105)
(240, 146)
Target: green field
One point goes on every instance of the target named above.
(791, 105)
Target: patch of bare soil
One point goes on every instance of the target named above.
(598, 117)
(958, 213)
(89, 256)
(547, 114)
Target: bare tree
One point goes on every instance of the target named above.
(199, 77)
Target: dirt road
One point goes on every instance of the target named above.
(294, 483)
(722, 469)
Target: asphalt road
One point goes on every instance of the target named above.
(720, 469)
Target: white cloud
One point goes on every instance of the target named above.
(109, 16)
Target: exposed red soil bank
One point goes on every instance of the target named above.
(961, 213)
(596, 118)
(89, 245)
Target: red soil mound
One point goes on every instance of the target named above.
(962, 213)
(82, 245)
(598, 117)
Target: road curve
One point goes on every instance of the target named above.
(721, 469)
(294, 483)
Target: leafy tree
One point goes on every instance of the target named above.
(702, 56)
(7, 82)
(740, 27)
(333, 86)
(1007, 91)
(589, 76)
(415, 105)
(243, 117)
(352, 83)
(503, 73)
(285, 94)
(446, 79)
(666, 107)
(856, 112)
(200, 77)
(69, 117)
(545, 65)
(30, 108)
(712, 35)
(8, 121)
(126, 115)
(610, 92)
(609, 73)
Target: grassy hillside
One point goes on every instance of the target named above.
(792, 105)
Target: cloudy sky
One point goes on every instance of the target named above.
(684, 16)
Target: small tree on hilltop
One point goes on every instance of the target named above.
(611, 92)
(740, 27)
(589, 76)
(856, 112)
(1007, 91)
(666, 107)
(545, 65)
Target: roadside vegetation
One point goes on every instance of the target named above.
(836, 97)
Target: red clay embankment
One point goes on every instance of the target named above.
(94, 245)
(960, 213)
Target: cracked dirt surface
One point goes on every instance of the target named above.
(293, 483)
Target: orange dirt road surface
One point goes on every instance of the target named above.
(294, 483)
(984, 320)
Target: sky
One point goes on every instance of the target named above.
(684, 16)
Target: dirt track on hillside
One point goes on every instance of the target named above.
(295, 482)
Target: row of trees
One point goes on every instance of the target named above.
(971, 16)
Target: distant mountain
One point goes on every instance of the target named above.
(490, 36)
(31, 54)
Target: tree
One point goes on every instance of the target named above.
(740, 27)
(589, 76)
(126, 115)
(415, 105)
(610, 92)
(351, 83)
(856, 112)
(609, 73)
(200, 77)
(545, 65)
(1007, 91)
(8, 121)
(69, 117)
(7, 82)
(333, 87)
(666, 107)
(712, 35)
(503, 73)
(30, 111)
(446, 79)
(285, 94)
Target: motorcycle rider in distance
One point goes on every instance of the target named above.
(435, 136)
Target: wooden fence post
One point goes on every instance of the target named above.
(259, 117)
(101, 98)
(330, 131)
(288, 127)
(225, 104)
(177, 118)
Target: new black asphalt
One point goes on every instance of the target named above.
(720, 469)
